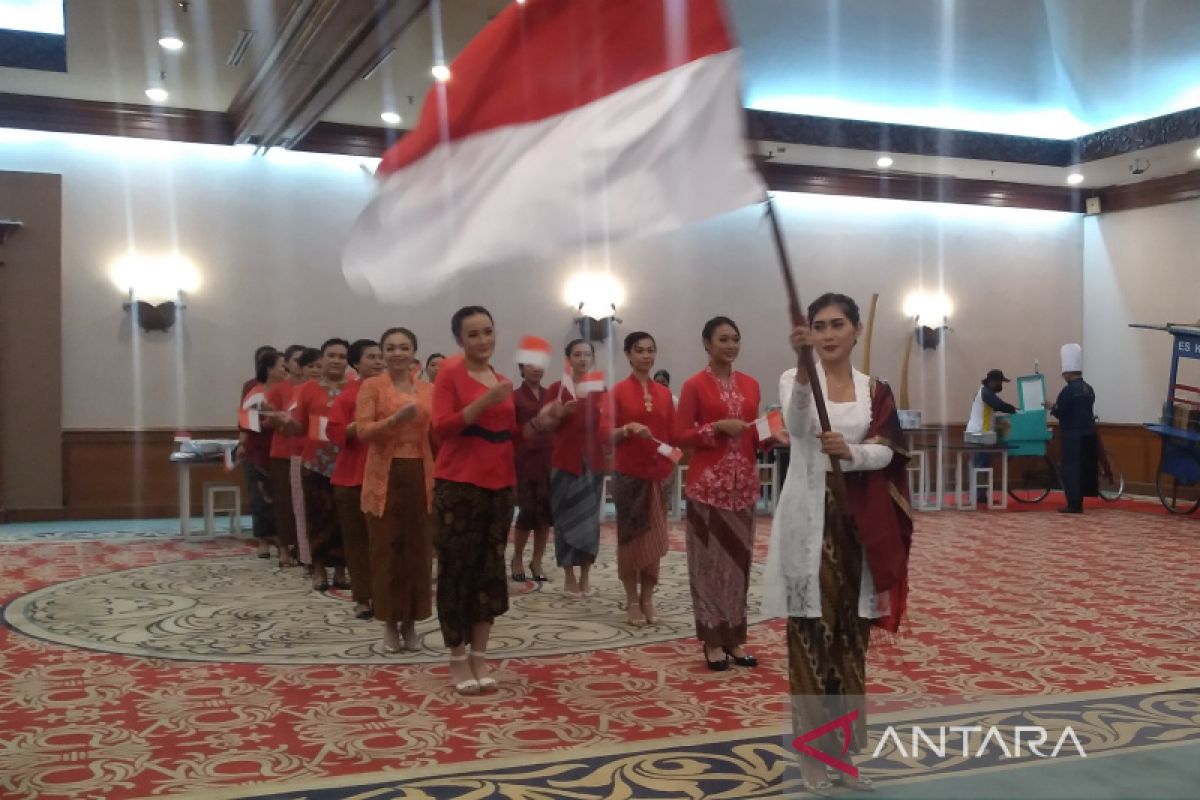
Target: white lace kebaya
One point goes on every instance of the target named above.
(791, 583)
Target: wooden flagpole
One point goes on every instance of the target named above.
(838, 484)
(866, 362)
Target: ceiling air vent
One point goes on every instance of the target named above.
(238, 52)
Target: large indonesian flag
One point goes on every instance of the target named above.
(564, 123)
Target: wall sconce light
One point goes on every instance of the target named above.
(929, 311)
(594, 297)
(154, 287)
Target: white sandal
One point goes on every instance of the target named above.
(488, 683)
(469, 686)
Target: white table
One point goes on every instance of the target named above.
(939, 482)
(184, 467)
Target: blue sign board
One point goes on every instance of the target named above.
(1187, 346)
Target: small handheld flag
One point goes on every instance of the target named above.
(672, 454)
(248, 415)
(770, 425)
(318, 429)
(249, 419)
(591, 382)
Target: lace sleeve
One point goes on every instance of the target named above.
(868, 457)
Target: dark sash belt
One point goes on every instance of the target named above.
(495, 437)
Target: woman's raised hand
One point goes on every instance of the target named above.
(498, 393)
(801, 336)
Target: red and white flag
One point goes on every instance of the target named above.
(564, 123)
(591, 382)
(672, 454)
(248, 415)
(318, 428)
(534, 351)
(770, 425)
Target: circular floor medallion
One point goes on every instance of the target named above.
(242, 610)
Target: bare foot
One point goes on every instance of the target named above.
(814, 777)
(481, 670)
(634, 613)
(391, 637)
(462, 676)
(648, 610)
(409, 631)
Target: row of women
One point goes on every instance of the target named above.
(834, 570)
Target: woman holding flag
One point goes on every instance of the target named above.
(643, 418)
(835, 572)
(310, 420)
(578, 466)
(475, 423)
(393, 416)
(533, 457)
(256, 437)
(717, 410)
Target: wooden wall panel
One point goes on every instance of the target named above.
(123, 474)
(1137, 450)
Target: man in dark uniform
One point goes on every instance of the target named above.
(1075, 410)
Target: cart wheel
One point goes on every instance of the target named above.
(1031, 478)
(1111, 487)
(1177, 497)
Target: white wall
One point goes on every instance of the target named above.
(1140, 266)
(266, 234)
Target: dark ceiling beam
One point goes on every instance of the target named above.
(914, 140)
(927, 188)
(323, 48)
(1136, 136)
(1156, 192)
(883, 137)
(66, 115)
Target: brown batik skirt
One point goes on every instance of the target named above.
(472, 532)
(281, 494)
(402, 547)
(827, 657)
(321, 519)
(642, 539)
(720, 547)
(354, 537)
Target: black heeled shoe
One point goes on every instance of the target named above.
(715, 666)
(742, 661)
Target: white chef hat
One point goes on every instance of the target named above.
(1072, 358)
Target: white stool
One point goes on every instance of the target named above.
(228, 491)
(975, 486)
(916, 469)
(766, 486)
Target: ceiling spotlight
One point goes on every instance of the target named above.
(156, 94)
(441, 73)
(170, 43)
(884, 162)
(1075, 178)
(390, 117)
(1198, 152)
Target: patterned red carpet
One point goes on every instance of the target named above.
(1003, 604)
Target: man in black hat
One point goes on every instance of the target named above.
(983, 410)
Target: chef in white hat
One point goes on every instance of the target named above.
(1075, 410)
